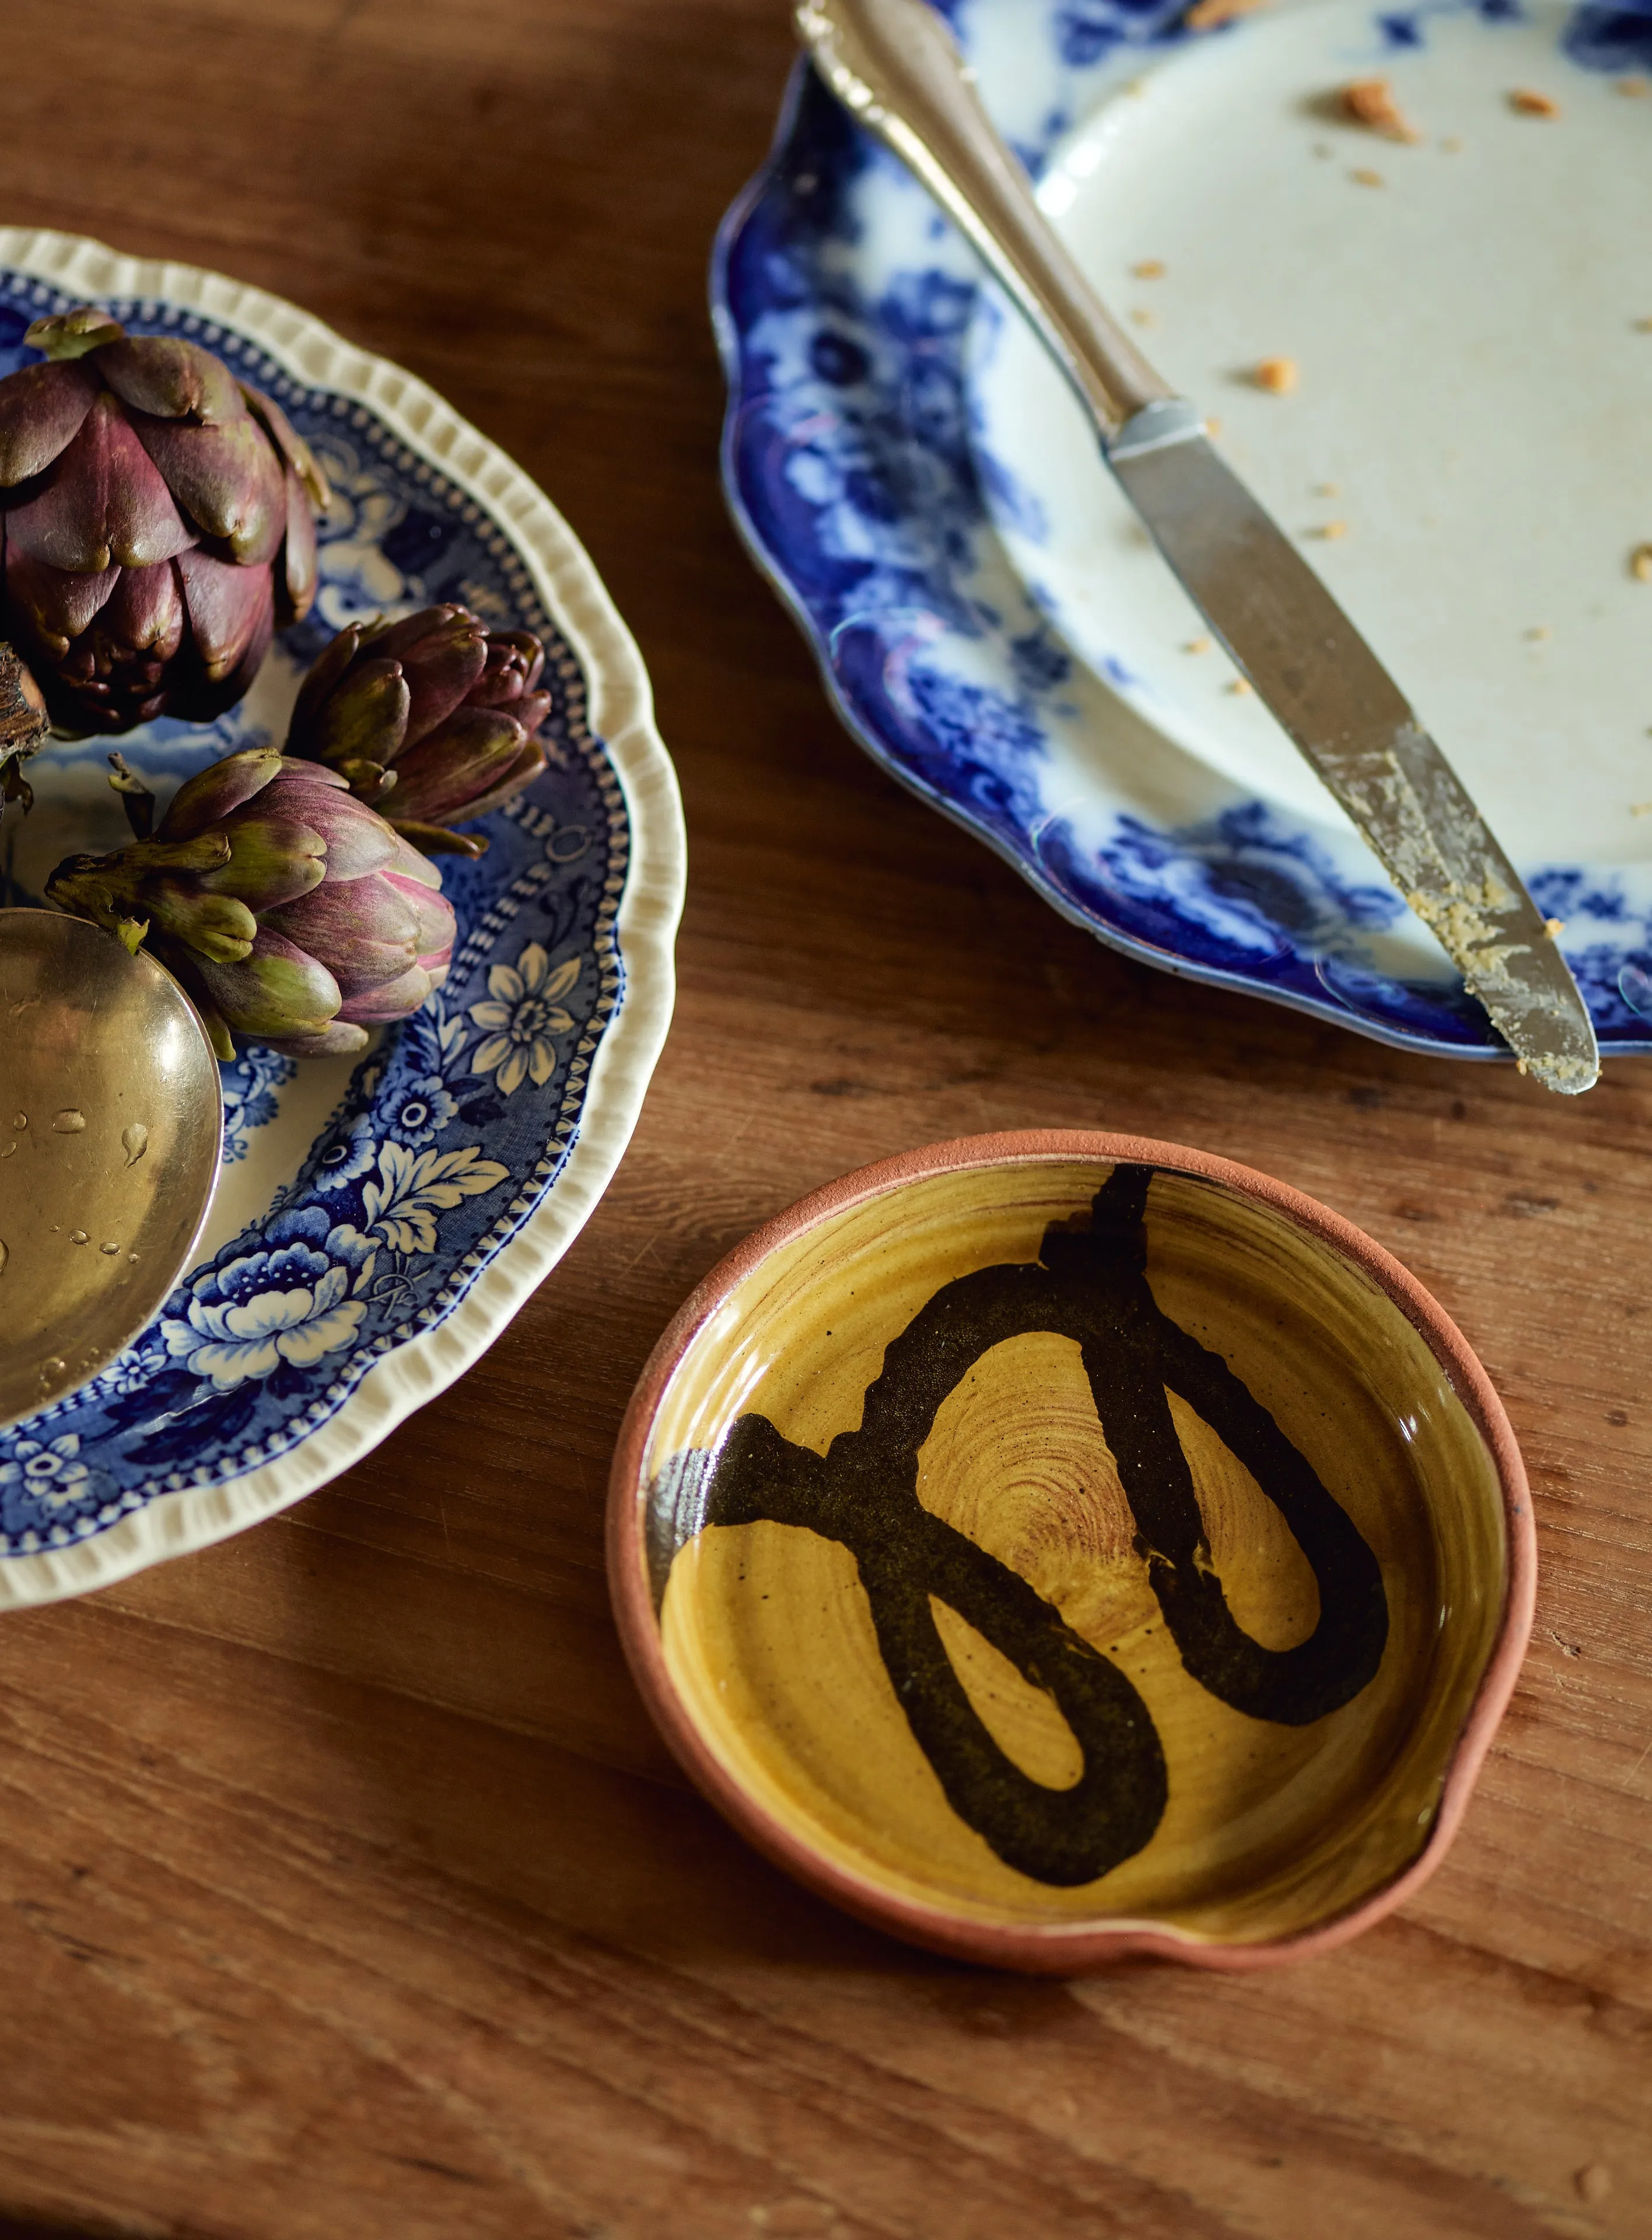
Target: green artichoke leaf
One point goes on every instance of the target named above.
(274, 858)
(365, 718)
(466, 758)
(103, 501)
(213, 925)
(358, 839)
(278, 989)
(436, 840)
(325, 671)
(41, 410)
(213, 792)
(113, 892)
(290, 444)
(227, 479)
(71, 334)
(232, 613)
(172, 378)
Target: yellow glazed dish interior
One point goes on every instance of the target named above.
(1053, 1544)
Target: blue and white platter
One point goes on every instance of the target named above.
(378, 1220)
(1463, 308)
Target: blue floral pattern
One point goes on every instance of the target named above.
(843, 303)
(249, 1085)
(289, 1303)
(523, 1018)
(452, 1132)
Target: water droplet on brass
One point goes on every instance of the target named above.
(135, 1141)
(132, 1256)
(9, 1149)
(4, 1256)
(78, 1236)
(52, 1367)
(109, 1248)
(20, 1121)
(69, 1122)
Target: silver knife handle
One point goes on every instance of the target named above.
(894, 64)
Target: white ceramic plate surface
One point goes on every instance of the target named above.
(1466, 455)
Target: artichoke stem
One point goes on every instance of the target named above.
(135, 799)
(109, 889)
(436, 840)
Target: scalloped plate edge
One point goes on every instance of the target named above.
(621, 717)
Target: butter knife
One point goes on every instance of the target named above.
(895, 64)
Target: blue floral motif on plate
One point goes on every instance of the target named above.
(843, 303)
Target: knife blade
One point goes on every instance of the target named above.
(894, 63)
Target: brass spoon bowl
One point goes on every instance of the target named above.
(111, 1127)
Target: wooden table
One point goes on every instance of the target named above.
(347, 1890)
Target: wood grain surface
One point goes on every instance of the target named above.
(344, 1888)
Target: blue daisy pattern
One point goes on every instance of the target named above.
(431, 1162)
(346, 1153)
(427, 1107)
(47, 1472)
(522, 1017)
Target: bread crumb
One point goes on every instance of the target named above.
(1366, 178)
(1636, 88)
(1525, 102)
(1151, 268)
(1641, 809)
(1537, 631)
(1554, 927)
(1324, 149)
(1278, 375)
(1240, 687)
(1213, 426)
(1452, 147)
(1141, 317)
(1326, 489)
(1197, 645)
(1643, 326)
(1641, 563)
(1369, 102)
(1211, 15)
(1330, 532)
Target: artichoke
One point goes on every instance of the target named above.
(290, 911)
(157, 524)
(24, 726)
(433, 719)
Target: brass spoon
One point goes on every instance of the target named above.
(111, 1125)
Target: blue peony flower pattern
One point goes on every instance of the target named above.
(291, 1303)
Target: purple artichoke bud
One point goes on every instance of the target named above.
(434, 719)
(157, 524)
(290, 911)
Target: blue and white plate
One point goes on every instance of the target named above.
(1465, 452)
(378, 1220)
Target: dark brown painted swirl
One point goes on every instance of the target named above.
(1089, 1284)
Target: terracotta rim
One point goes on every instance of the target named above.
(1056, 1948)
